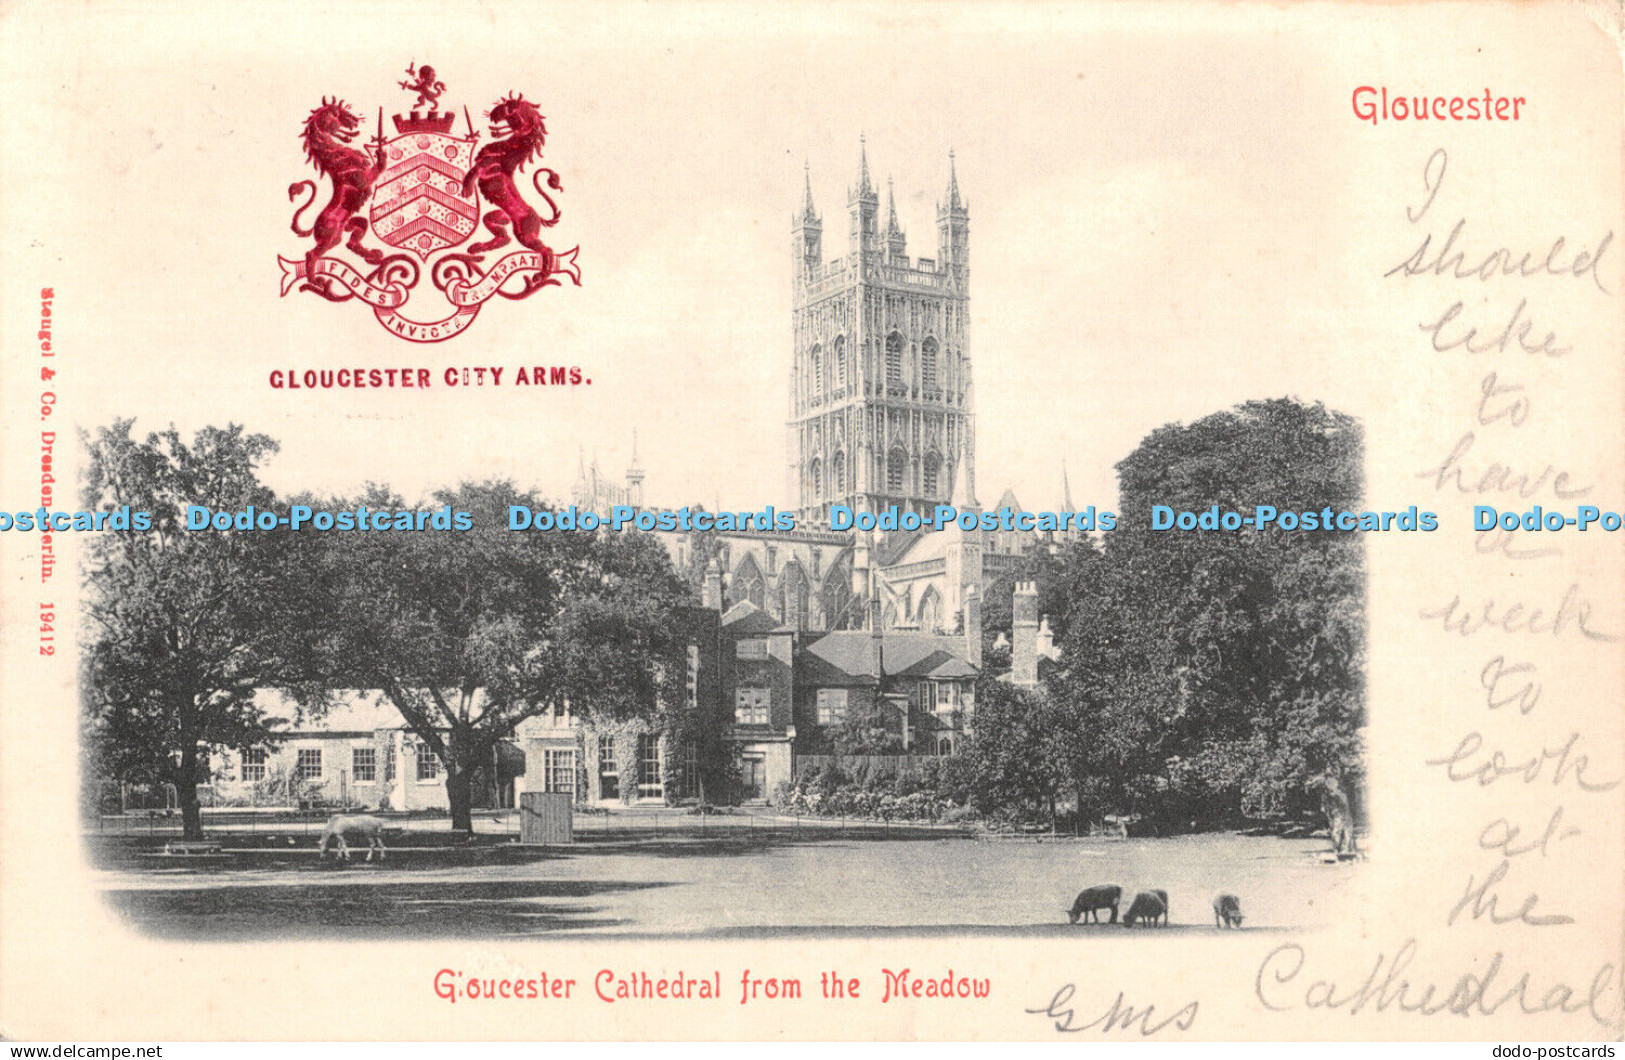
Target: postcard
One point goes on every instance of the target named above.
(874, 521)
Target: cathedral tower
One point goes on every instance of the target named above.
(881, 398)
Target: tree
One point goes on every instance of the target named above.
(182, 626)
(1014, 755)
(471, 632)
(1221, 673)
(703, 547)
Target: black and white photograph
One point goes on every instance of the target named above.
(939, 521)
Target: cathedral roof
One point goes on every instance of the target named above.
(895, 545)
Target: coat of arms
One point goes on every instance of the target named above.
(419, 192)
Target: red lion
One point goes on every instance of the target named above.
(519, 131)
(327, 135)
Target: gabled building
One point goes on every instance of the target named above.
(917, 687)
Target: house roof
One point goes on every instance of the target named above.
(353, 710)
(849, 657)
(746, 619)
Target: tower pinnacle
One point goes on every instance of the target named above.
(807, 211)
(864, 187)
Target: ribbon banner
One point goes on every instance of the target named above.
(527, 264)
(389, 297)
(457, 277)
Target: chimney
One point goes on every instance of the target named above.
(711, 595)
(1046, 640)
(1024, 635)
(973, 626)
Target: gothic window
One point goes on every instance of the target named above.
(894, 359)
(930, 611)
(932, 470)
(896, 470)
(838, 475)
(748, 583)
(838, 353)
(928, 364)
(795, 595)
(817, 475)
(815, 361)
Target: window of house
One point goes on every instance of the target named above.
(816, 475)
(649, 779)
(691, 685)
(428, 763)
(559, 769)
(389, 764)
(751, 706)
(945, 746)
(896, 467)
(928, 364)
(363, 765)
(930, 484)
(751, 648)
(831, 706)
(945, 695)
(690, 780)
(609, 769)
(837, 480)
(816, 363)
(839, 354)
(308, 764)
(254, 764)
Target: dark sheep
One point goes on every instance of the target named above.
(1093, 899)
(1227, 911)
(1147, 909)
(1165, 906)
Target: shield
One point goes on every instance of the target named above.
(418, 202)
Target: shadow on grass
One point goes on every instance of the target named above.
(909, 931)
(241, 912)
(744, 841)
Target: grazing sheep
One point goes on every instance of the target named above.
(1227, 911)
(1093, 899)
(369, 827)
(1165, 906)
(1147, 909)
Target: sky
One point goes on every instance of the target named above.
(1149, 231)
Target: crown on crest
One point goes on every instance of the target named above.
(434, 121)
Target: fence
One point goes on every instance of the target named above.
(629, 823)
(808, 765)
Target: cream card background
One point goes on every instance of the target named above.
(1173, 209)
